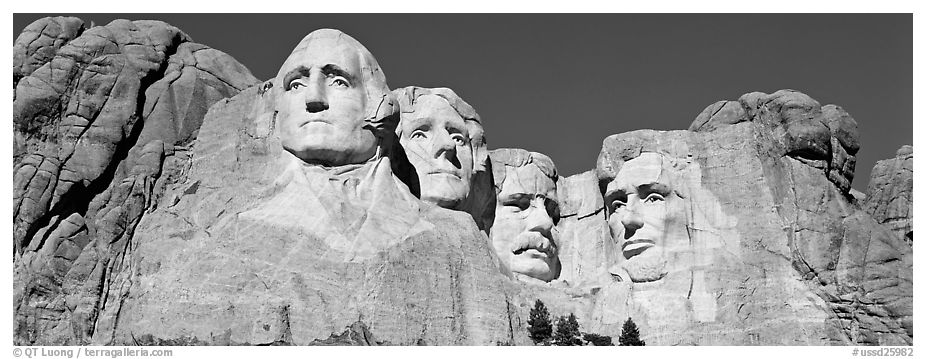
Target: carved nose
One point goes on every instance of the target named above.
(315, 97)
(539, 220)
(316, 106)
(632, 222)
(444, 146)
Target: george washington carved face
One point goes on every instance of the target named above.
(331, 88)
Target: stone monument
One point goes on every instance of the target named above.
(444, 140)
(524, 233)
(162, 195)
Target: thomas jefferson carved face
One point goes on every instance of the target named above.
(645, 215)
(324, 100)
(523, 232)
(438, 144)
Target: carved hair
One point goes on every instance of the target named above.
(516, 157)
(618, 149)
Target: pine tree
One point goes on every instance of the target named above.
(630, 335)
(539, 325)
(567, 331)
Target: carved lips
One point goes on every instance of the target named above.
(313, 119)
(444, 172)
(634, 247)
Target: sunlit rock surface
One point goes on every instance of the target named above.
(889, 198)
(154, 203)
(103, 119)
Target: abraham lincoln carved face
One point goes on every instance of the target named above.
(646, 215)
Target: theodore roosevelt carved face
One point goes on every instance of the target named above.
(332, 100)
(523, 233)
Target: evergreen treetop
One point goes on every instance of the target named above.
(630, 335)
(539, 325)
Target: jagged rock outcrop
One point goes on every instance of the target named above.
(356, 334)
(889, 198)
(102, 120)
(862, 272)
(39, 42)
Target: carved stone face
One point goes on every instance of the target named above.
(437, 142)
(522, 233)
(645, 215)
(322, 106)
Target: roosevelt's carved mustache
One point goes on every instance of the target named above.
(535, 241)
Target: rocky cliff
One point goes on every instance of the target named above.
(154, 204)
(771, 249)
(889, 197)
(103, 119)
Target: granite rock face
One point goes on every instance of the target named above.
(161, 197)
(763, 244)
(228, 264)
(102, 122)
(889, 197)
(772, 249)
(862, 271)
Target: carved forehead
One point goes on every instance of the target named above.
(528, 179)
(336, 47)
(643, 170)
(536, 164)
(432, 106)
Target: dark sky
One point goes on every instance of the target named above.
(558, 84)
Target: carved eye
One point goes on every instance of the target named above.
(523, 204)
(518, 204)
(654, 197)
(618, 204)
(459, 139)
(552, 210)
(418, 134)
(295, 84)
(340, 82)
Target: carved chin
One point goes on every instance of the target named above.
(444, 194)
(648, 266)
(542, 269)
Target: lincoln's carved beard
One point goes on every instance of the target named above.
(648, 266)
